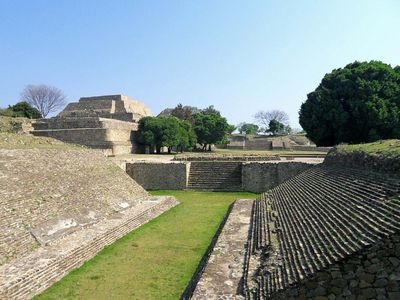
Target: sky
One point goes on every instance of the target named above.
(240, 56)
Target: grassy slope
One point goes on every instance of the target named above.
(157, 260)
(13, 137)
(383, 147)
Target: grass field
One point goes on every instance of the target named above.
(157, 260)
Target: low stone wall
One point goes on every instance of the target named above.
(258, 177)
(160, 176)
(359, 159)
(373, 273)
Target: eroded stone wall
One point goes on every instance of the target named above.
(362, 160)
(259, 177)
(159, 176)
(373, 273)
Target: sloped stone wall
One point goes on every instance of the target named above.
(373, 273)
(38, 186)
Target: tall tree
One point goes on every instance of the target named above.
(263, 118)
(46, 99)
(211, 129)
(276, 127)
(355, 104)
(167, 132)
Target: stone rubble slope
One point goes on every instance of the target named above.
(314, 220)
(39, 188)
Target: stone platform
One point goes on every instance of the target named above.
(25, 277)
(222, 275)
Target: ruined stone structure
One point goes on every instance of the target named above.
(331, 232)
(59, 208)
(214, 175)
(103, 122)
(262, 142)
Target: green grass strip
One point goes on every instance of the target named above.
(155, 261)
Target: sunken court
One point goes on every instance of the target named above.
(204, 150)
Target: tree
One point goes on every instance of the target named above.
(21, 109)
(248, 128)
(46, 99)
(184, 112)
(355, 104)
(275, 127)
(265, 117)
(167, 132)
(211, 129)
(210, 111)
(24, 109)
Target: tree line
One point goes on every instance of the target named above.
(183, 127)
(268, 122)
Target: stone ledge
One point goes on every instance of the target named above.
(224, 270)
(26, 277)
(362, 160)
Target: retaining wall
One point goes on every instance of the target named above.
(160, 176)
(362, 160)
(373, 273)
(258, 177)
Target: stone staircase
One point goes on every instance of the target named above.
(314, 220)
(215, 176)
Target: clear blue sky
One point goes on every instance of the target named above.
(241, 56)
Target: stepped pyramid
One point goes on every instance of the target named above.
(102, 122)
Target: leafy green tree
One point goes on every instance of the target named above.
(167, 132)
(211, 129)
(276, 127)
(355, 104)
(248, 128)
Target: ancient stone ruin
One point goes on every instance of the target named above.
(331, 232)
(109, 123)
(59, 208)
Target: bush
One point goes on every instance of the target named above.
(21, 109)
